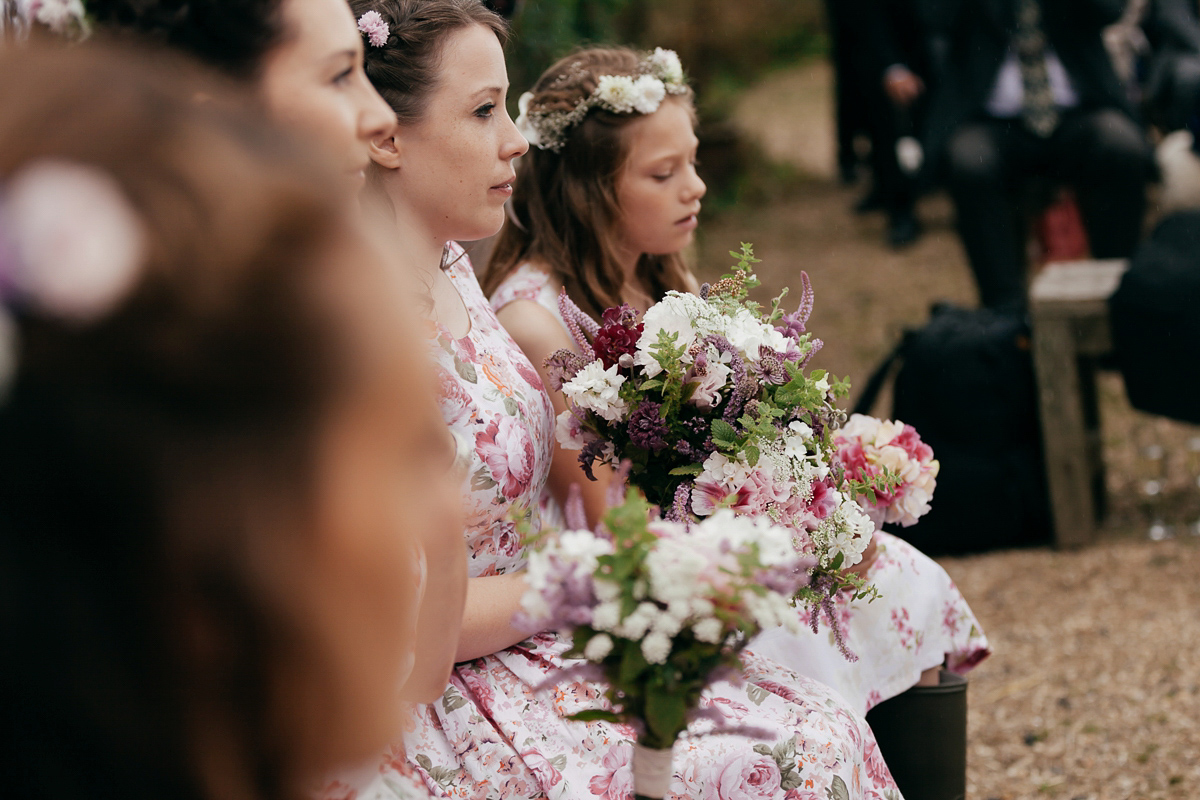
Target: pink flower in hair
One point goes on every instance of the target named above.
(375, 28)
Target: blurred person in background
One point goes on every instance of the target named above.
(218, 442)
(303, 60)
(849, 104)
(1027, 90)
(891, 67)
(1170, 72)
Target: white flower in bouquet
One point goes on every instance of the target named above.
(710, 374)
(681, 313)
(597, 389)
(569, 432)
(747, 333)
(848, 531)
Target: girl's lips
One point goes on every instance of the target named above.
(688, 223)
(503, 188)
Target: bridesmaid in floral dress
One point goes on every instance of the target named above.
(619, 239)
(499, 731)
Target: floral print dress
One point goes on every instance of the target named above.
(500, 729)
(920, 621)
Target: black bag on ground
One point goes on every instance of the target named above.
(966, 384)
(1155, 317)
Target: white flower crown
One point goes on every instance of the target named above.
(659, 74)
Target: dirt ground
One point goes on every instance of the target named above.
(1094, 688)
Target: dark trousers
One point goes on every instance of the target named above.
(1102, 154)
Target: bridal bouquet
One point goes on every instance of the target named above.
(709, 400)
(892, 459)
(662, 611)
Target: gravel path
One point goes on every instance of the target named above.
(1094, 688)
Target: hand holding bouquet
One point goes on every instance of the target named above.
(662, 611)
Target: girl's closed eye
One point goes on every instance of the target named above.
(343, 77)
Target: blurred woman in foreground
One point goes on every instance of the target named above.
(217, 440)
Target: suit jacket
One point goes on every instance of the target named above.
(975, 37)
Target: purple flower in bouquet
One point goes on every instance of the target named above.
(647, 428)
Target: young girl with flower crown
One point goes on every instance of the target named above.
(604, 205)
(499, 729)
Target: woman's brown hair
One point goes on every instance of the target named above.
(154, 462)
(405, 69)
(565, 213)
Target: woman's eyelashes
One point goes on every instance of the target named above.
(485, 110)
(343, 77)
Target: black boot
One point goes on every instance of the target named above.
(922, 735)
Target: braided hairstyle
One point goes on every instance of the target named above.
(405, 69)
(232, 36)
(565, 214)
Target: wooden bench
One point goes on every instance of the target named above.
(1069, 312)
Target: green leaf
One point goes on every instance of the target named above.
(757, 694)
(559, 762)
(762, 750)
(510, 407)
(424, 762)
(594, 714)
(690, 469)
(666, 715)
(633, 663)
(723, 433)
(653, 383)
(752, 455)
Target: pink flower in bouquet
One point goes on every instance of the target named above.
(746, 775)
(868, 447)
(709, 495)
(507, 450)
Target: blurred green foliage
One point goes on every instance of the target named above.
(724, 44)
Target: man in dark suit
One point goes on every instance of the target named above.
(892, 63)
(1172, 70)
(1028, 89)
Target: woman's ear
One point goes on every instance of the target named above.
(385, 150)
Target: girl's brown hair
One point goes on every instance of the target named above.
(152, 461)
(565, 214)
(405, 69)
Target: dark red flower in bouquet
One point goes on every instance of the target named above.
(618, 335)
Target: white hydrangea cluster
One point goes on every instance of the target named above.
(692, 318)
(847, 530)
(597, 389)
(689, 573)
(577, 552)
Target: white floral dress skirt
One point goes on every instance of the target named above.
(500, 730)
(920, 621)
